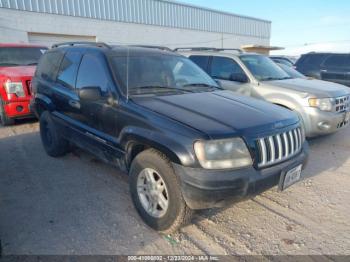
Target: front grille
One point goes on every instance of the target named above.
(342, 104)
(280, 147)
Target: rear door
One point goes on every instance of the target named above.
(336, 68)
(223, 68)
(65, 98)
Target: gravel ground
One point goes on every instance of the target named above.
(78, 205)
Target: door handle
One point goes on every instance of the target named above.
(74, 103)
(324, 71)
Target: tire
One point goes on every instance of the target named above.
(177, 213)
(54, 144)
(4, 119)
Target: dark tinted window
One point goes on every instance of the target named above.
(223, 68)
(311, 61)
(67, 73)
(201, 61)
(48, 65)
(19, 56)
(93, 73)
(337, 61)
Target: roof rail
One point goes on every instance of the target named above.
(164, 48)
(98, 44)
(208, 49)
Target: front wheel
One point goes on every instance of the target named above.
(156, 192)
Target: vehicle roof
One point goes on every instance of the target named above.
(227, 53)
(21, 45)
(118, 50)
(325, 53)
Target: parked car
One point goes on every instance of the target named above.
(185, 143)
(326, 66)
(291, 71)
(283, 60)
(323, 107)
(17, 66)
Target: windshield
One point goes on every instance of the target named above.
(159, 74)
(263, 68)
(291, 71)
(20, 56)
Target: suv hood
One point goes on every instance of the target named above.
(17, 71)
(221, 113)
(319, 88)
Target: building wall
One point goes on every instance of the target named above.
(150, 12)
(15, 25)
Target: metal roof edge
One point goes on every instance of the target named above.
(214, 10)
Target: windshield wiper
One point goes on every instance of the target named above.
(202, 85)
(165, 88)
(34, 63)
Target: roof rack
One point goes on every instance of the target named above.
(98, 44)
(208, 49)
(164, 48)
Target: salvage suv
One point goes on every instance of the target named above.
(323, 106)
(185, 143)
(17, 66)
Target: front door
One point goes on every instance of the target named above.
(230, 75)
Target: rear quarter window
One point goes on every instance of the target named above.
(49, 65)
(339, 61)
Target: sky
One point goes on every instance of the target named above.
(299, 26)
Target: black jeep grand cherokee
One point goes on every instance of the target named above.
(185, 143)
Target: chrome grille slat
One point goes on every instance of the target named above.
(291, 142)
(263, 151)
(279, 147)
(272, 149)
(286, 145)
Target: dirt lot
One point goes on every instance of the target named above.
(78, 205)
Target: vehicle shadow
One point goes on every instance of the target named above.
(70, 205)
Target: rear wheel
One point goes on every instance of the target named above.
(4, 119)
(54, 144)
(156, 192)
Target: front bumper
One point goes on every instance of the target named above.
(203, 188)
(18, 109)
(319, 122)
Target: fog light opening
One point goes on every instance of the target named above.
(19, 108)
(324, 126)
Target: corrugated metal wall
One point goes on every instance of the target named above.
(152, 12)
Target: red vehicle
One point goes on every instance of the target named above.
(17, 67)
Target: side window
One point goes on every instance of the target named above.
(67, 73)
(336, 61)
(92, 73)
(223, 68)
(48, 65)
(201, 61)
(314, 61)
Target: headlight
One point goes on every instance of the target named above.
(15, 88)
(223, 154)
(324, 104)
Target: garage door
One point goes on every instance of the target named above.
(50, 39)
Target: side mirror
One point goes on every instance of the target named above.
(218, 82)
(239, 77)
(90, 93)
